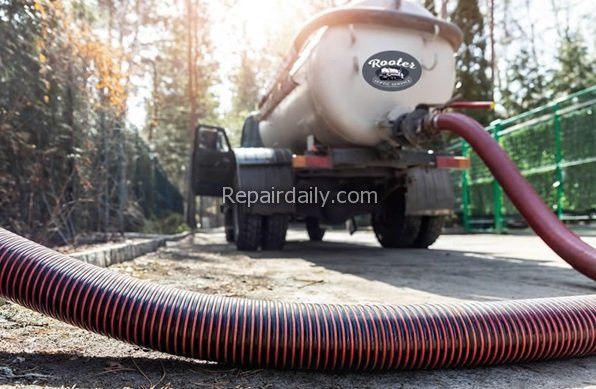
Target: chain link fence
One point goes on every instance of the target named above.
(152, 189)
(554, 146)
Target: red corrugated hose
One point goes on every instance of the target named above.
(543, 221)
(258, 333)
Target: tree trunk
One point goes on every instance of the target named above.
(190, 196)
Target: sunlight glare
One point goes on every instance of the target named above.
(252, 26)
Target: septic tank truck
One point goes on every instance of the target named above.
(340, 119)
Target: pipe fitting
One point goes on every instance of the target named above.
(414, 128)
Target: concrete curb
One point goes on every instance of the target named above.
(122, 252)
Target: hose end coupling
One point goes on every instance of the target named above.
(415, 127)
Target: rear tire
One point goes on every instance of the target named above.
(247, 229)
(430, 230)
(273, 232)
(314, 230)
(392, 227)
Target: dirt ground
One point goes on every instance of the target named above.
(38, 351)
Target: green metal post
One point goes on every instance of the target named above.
(558, 161)
(497, 190)
(465, 189)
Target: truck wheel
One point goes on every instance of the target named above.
(273, 233)
(430, 229)
(247, 229)
(229, 224)
(314, 230)
(392, 227)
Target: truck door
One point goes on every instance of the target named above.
(214, 164)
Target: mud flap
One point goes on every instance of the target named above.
(429, 192)
(265, 170)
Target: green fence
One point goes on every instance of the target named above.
(154, 192)
(554, 146)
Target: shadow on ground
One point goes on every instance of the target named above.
(466, 275)
(65, 360)
(59, 370)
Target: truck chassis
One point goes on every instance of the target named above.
(412, 187)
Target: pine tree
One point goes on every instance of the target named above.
(246, 88)
(526, 84)
(472, 66)
(170, 95)
(576, 67)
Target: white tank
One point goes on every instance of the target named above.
(349, 77)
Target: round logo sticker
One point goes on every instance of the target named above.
(391, 70)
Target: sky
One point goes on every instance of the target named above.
(252, 24)
(237, 25)
(249, 25)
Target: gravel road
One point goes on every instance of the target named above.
(38, 351)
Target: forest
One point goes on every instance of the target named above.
(98, 97)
